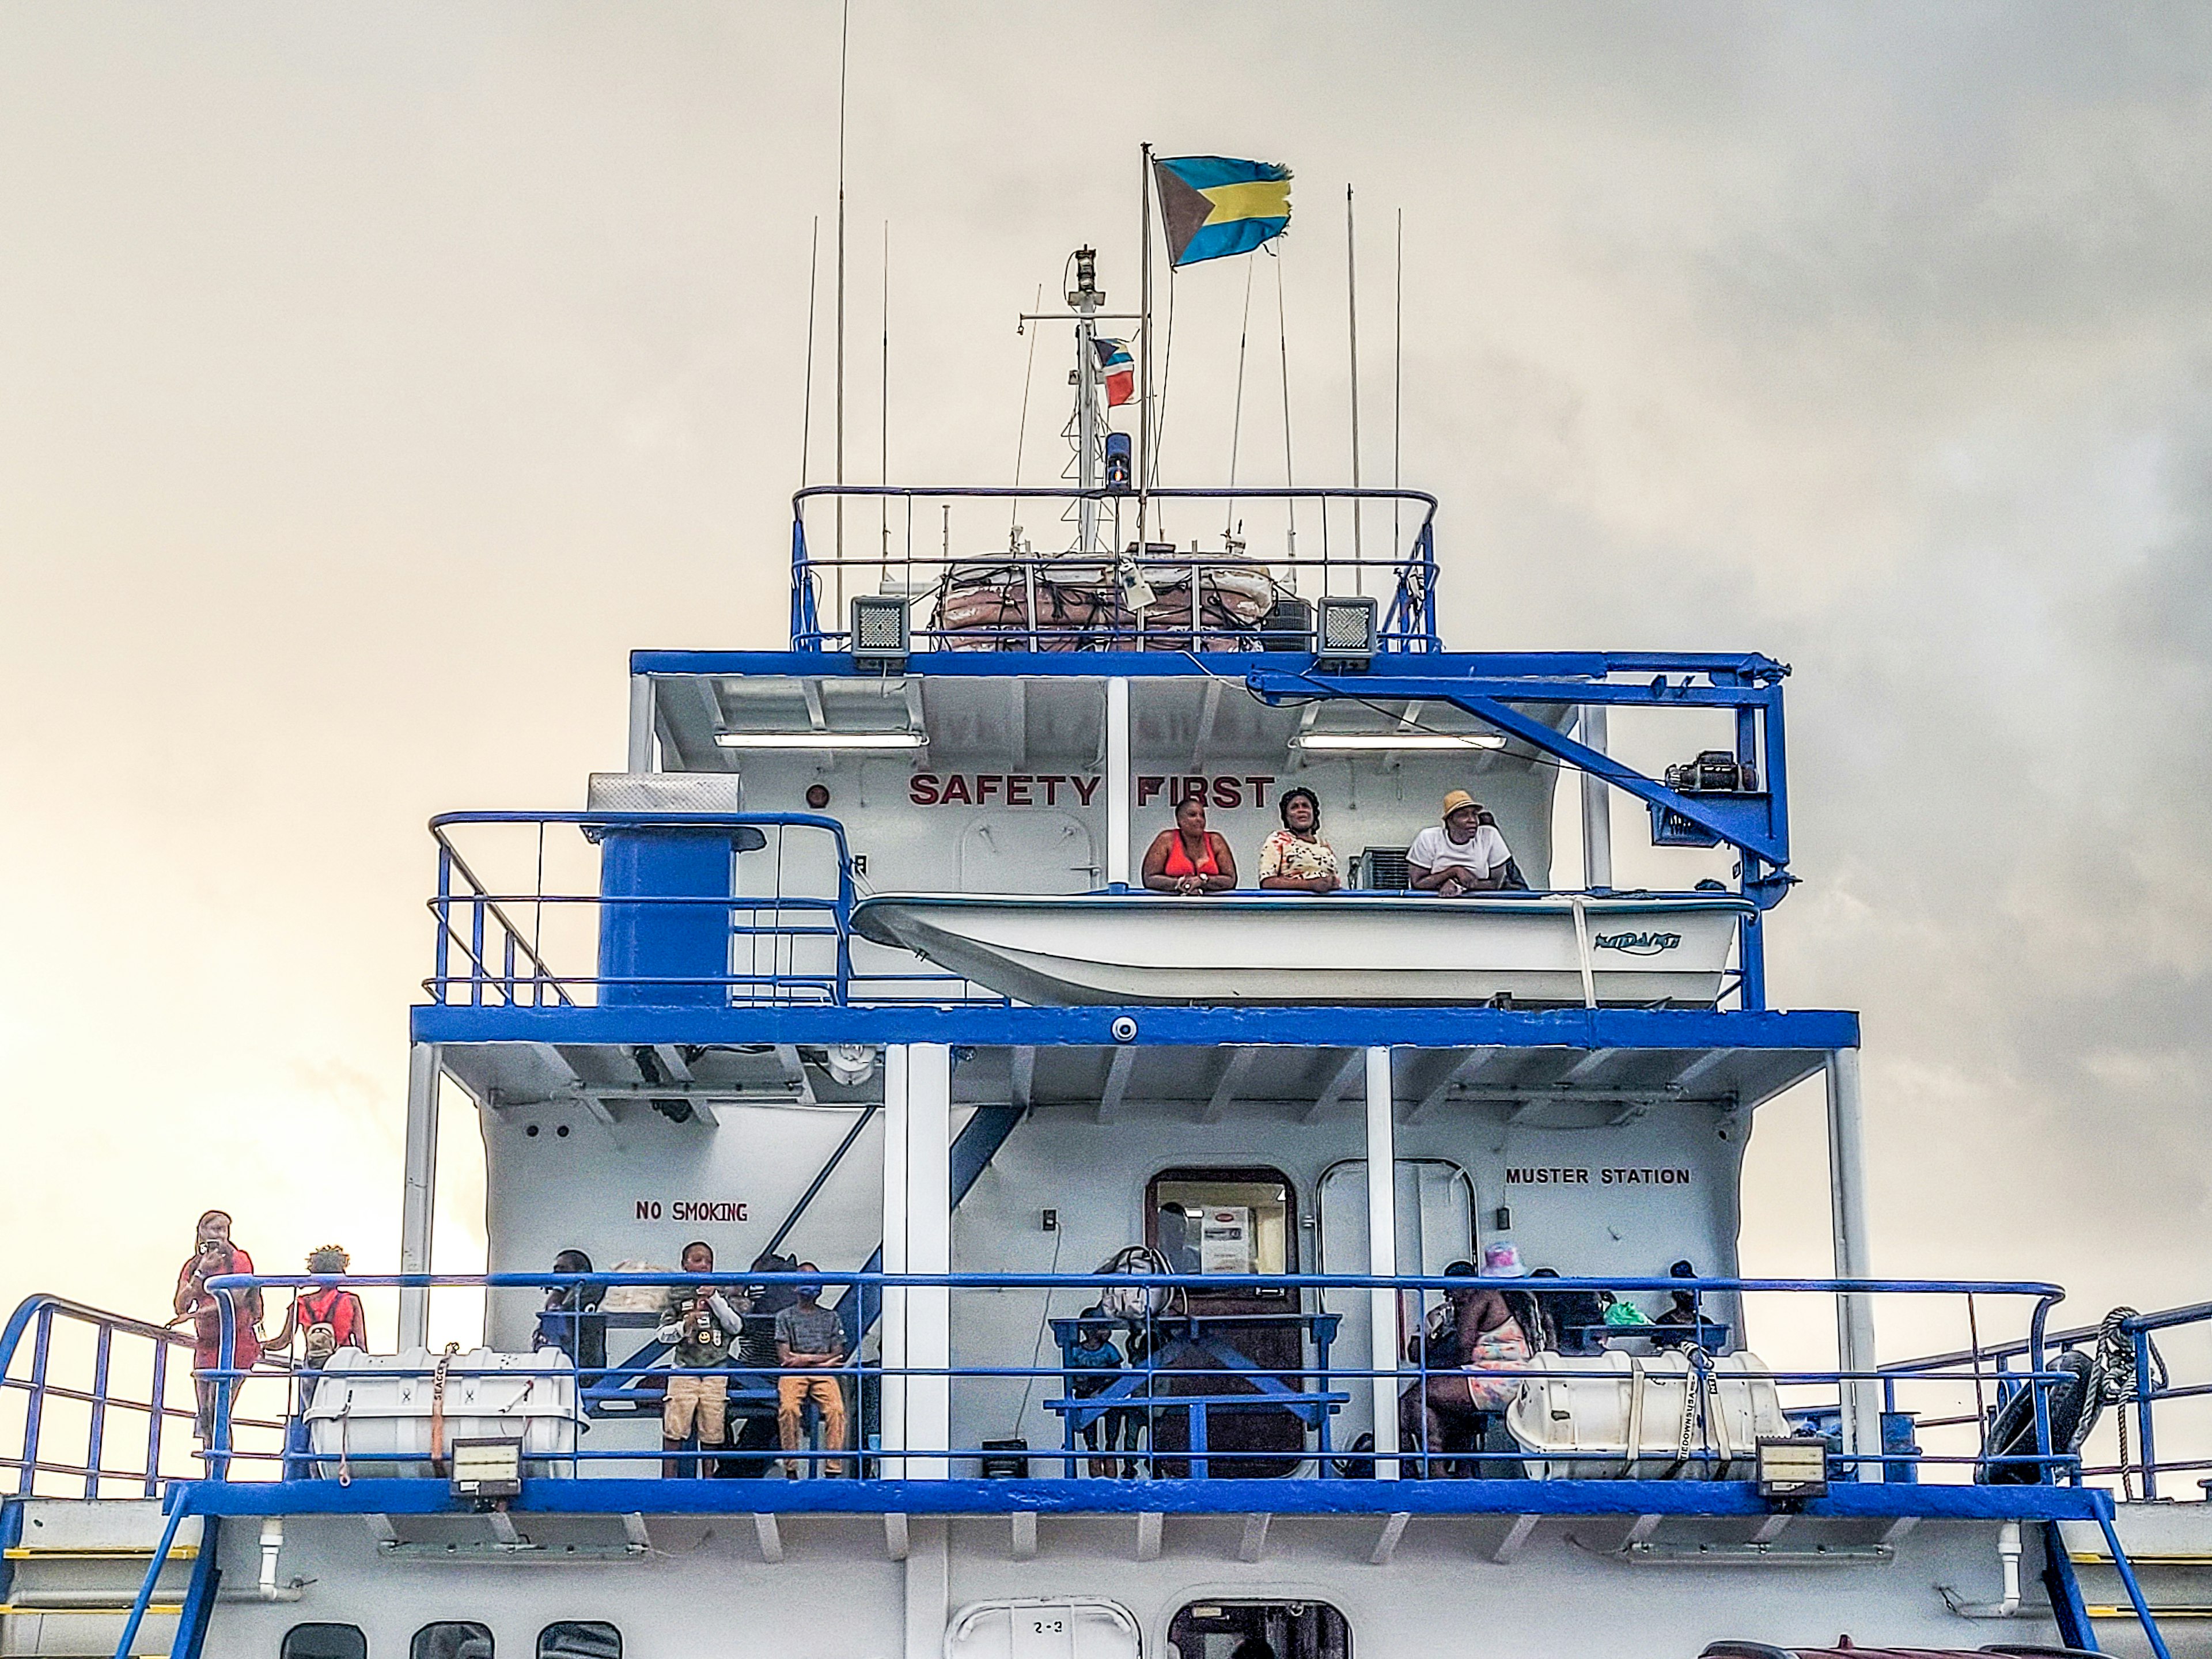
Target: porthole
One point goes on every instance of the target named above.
(1260, 1630)
(580, 1638)
(456, 1639)
(324, 1642)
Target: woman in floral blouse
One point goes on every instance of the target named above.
(1295, 858)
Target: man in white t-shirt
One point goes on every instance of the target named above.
(1463, 855)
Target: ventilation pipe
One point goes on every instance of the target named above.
(2008, 1558)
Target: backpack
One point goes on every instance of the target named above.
(319, 1314)
(1134, 1303)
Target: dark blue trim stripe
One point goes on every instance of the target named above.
(990, 1026)
(695, 1497)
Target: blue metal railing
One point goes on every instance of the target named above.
(498, 944)
(2140, 1380)
(1078, 601)
(781, 946)
(1311, 1388)
(117, 1433)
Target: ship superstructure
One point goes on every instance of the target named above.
(852, 964)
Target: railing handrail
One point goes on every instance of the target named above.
(1029, 1280)
(28, 1308)
(480, 898)
(1064, 492)
(2163, 1319)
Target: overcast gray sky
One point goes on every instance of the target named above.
(373, 377)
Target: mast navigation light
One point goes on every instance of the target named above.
(1086, 294)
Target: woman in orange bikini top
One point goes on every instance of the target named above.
(1189, 859)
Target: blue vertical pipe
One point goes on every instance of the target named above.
(444, 915)
(155, 1404)
(34, 1408)
(102, 1349)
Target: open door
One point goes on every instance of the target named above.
(1242, 1221)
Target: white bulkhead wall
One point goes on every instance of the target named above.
(548, 1191)
(1009, 795)
(1095, 1176)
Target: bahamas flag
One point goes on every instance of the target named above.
(1119, 370)
(1212, 207)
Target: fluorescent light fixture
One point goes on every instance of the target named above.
(1364, 743)
(819, 740)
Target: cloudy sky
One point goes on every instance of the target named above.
(373, 377)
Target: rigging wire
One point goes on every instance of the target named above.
(1044, 1323)
(844, 56)
(884, 453)
(806, 410)
(1022, 430)
(1167, 367)
(1397, 375)
(1236, 415)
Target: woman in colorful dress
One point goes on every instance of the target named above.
(1295, 859)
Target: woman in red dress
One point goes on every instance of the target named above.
(1189, 859)
(213, 1255)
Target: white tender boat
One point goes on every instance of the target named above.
(1266, 947)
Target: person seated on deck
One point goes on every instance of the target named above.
(213, 1255)
(1189, 859)
(1094, 1365)
(1461, 855)
(1295, 859)
(1481, 1332)
(810, 1337)
(325, 1318)
(1570, 1318)
(698, 1321)
(571, 1321)
(1682, 1311)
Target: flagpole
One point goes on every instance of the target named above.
(1352, 309)
(1145, 355)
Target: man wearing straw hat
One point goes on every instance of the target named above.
(1463, 855)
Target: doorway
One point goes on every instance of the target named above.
(1239, 1222)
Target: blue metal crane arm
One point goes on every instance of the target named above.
(1758, 824)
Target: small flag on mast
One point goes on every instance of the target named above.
(1119, 370)
(1212, 206)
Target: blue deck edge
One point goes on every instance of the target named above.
(1077, 1497)
(1169, 665)
(995, 1025)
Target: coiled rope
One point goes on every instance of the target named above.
(2119, 1383)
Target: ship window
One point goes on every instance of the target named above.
(455, 1640)
(1292, 1630)
(1223, 1221)
(579, 1638)
(325, 1642)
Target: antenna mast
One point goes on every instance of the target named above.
(1085, 298)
